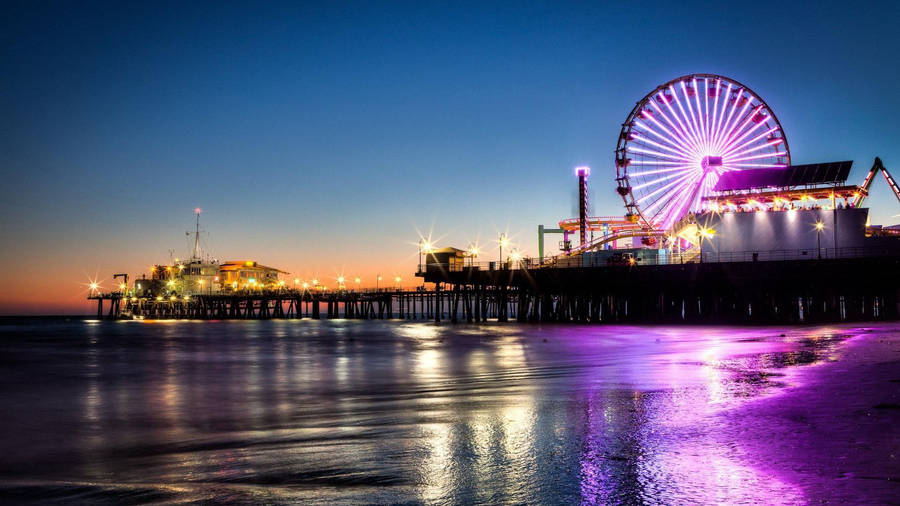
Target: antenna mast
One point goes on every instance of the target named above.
(197, 237)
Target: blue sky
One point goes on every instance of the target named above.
(320, 137)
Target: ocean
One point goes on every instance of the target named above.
(337, 412)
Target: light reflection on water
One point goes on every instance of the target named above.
(373, 412)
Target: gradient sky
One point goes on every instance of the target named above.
(319, 138)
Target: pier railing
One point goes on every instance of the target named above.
(669, 258)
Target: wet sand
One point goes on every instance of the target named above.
(845, 413)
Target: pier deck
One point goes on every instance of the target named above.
(749, 292)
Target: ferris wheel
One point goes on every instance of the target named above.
(682, 136)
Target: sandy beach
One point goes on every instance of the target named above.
(837, 433)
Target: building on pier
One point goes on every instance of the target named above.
(247, 275)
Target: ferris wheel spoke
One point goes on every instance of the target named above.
(702, 114)
(646, 140)
(754, 149)
(674, 138)
(682, 204)
(654, 162)
(757, 157)
(663, 188)
(723, 131)
(712, 119)
(660, 171)
(654, 153)
(720, 113)
(658, 180)
(684, 134)
(736, 119)
(674, 198)
(690, 114)
(668, 139)
(743, 122)
(744, 135)
(684, 116)
(757, 165)
(729, 150)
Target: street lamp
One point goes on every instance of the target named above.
(819, 228)
(705, 233)
(473, 254)
(358, 281)
(377, 280)
(502, 241)
(425, 246)
(340, 281)
(397, 280)
(515, 257)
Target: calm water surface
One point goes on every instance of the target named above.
(303, 411)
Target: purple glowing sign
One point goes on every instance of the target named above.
(682, 136)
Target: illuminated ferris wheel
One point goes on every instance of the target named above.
(686, 133)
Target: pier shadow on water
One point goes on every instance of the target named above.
(353, 411)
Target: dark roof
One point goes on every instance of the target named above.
(236, 265)
(795, 175)
(455, 251)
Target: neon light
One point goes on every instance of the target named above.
(757, 157)
(650, 183)
(653, 162)
(655, 153)
(677, 138)
(757, 148)
(758, 137)
(661, 188)
(685, 117)
(742, 137)
(654, 143)
(660, 171)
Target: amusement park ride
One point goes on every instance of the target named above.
(704, 143)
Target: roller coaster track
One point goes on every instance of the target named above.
(619, 234)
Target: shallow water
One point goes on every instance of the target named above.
(351, 411)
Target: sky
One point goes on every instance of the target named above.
(323, 138)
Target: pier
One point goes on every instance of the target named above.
(757, 288)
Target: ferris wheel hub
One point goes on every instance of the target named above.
(710, 161)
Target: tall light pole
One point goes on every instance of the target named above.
(377, 279)
(516, 257)
(473, 254)
(819, 227)
(421, 246)
(502, 241)
(358, 281)
(426, 247)
(705, 233)
(398, 280)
